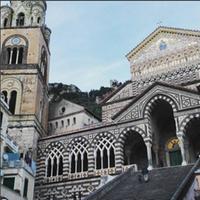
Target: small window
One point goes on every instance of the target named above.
(9, 182)
(25, 188)
(62, 123)
(63, 109)
(56, 124)
(5, 22)
(74, 120)
(38, 20)
(68, 122)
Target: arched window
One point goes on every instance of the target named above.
(54, 163)
(15, 55)
(12, 102)
(104, 152)
(5, 23)
(20, 19)
(79, 156)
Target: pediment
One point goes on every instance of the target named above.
(163, 41)
(179, 98)
(63, 107)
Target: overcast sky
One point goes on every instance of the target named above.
(90, 39)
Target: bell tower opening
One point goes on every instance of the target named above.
(20, 19)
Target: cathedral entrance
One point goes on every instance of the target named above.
(135, 151)
(174, 152)
(193, 139)
(163, 131)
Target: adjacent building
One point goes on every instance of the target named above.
(17, 173)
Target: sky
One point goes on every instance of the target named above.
(89, 40)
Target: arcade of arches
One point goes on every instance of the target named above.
(166, 148)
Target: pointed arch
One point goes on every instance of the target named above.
(104, 150)
(54, 159)
(12, 90)
(150, 103)
(78, 155)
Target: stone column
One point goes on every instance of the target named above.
(91, 161)
(180, 136)
(149, 154)
(119, 156)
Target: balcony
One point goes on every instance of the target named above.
(18, 164)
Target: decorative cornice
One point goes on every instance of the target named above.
(161, 29)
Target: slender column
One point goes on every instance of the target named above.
(149, 154)
(108, 153)
(82, 162)
(119, 156)
(51, 167)
(17, 57)
(180, 136)
(11, 54)
(57, 169)
(76, 163)
(101, 159)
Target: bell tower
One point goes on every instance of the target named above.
(25, 70)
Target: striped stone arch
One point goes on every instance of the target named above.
(124, 133)
(52, 145)
(78, 155)
(103, 135)
(77, 140)
(149, 105)
(187, 120)
(39, 152)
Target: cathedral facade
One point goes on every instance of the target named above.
(152, 120)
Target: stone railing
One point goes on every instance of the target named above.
(53, 179)
(104, 172)
(126, 167)
(78, 175)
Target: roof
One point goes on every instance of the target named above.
(158, 30)
(115, 92)
(163, 184)
(148, 89)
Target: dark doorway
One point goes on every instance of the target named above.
(135, 151)
(193, 136)
(163, 128)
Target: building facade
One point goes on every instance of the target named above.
(152, 120)
(24, 70)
